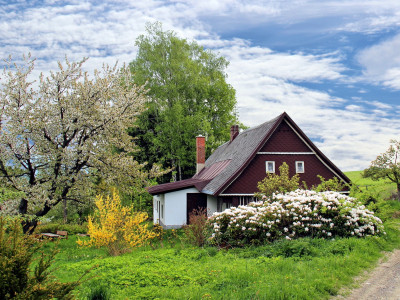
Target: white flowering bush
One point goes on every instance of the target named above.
(295, 214)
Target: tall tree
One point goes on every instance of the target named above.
(59, 133)
(387, 165)
(188, 95)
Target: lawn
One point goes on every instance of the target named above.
(301, 269)
(383, 187)
(298, 269)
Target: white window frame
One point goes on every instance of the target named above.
(273, 166)
(298, 170)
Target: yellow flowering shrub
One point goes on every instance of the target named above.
(116, 227)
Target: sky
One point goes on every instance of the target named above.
(333, 66)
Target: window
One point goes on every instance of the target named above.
(244, 200)
(162, 211)
(299, 166)
(270, 166)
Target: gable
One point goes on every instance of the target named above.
(284, 139)
(286, 144)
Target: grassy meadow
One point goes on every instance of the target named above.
(173, 269)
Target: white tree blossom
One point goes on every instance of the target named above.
(59, 132)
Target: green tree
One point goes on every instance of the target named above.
(332, 184)
(188, 95)
(60, 134)
(18, 278)
(275, 183)
(386, 165)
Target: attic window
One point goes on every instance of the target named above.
(299, 166)
(270, 166)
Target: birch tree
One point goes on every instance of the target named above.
(188, 95)
(59, 132)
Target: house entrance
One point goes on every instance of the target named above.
(195, 201)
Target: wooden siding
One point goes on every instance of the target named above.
(283, 140)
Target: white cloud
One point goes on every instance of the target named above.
(267, 81)
(293, 67)
(381, 62)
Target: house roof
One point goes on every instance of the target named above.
(228, 161)
(199, 184)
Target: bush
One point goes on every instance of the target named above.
(295, 214)
(54, 227)
(195, 232)
(274, 183)
(332, 184)
(99, 292)
(116, 227)
(16, 256)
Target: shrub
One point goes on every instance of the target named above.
(99, 292)
(116, 227)
(54, 227)
(332, 184)
(16, 255)
(195, 232)
(281, 183)
(295, 214)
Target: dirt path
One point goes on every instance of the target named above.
(383, 283)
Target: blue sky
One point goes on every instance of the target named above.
(334, 66)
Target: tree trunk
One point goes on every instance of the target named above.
(65, 211)
(398, 190)
(28, 226)
(174, 171)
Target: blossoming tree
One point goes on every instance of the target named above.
(58, 133)
(386, 165)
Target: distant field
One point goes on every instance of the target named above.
(383, 187)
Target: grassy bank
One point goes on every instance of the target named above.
(298, 269)
(301, 269)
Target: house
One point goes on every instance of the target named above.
(230, 175)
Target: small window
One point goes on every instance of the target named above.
(299, 166)
(270, 166)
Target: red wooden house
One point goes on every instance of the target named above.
(230, 175)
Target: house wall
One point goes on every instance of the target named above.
(158, 203)
(176, 208)
(211, 205)
(283, 140)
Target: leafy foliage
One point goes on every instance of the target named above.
(295, 214)
(188, 96)
(195, 232)
(61, 133)
(305, 268)
(16, 257)
(274, 183)
(386, 165)
(116, 227)
(53, 227)
(99, 293)
(332, 184)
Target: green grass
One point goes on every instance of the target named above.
(298, 269)
(383, 187)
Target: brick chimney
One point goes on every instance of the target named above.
(234, 131)
(200, 153)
